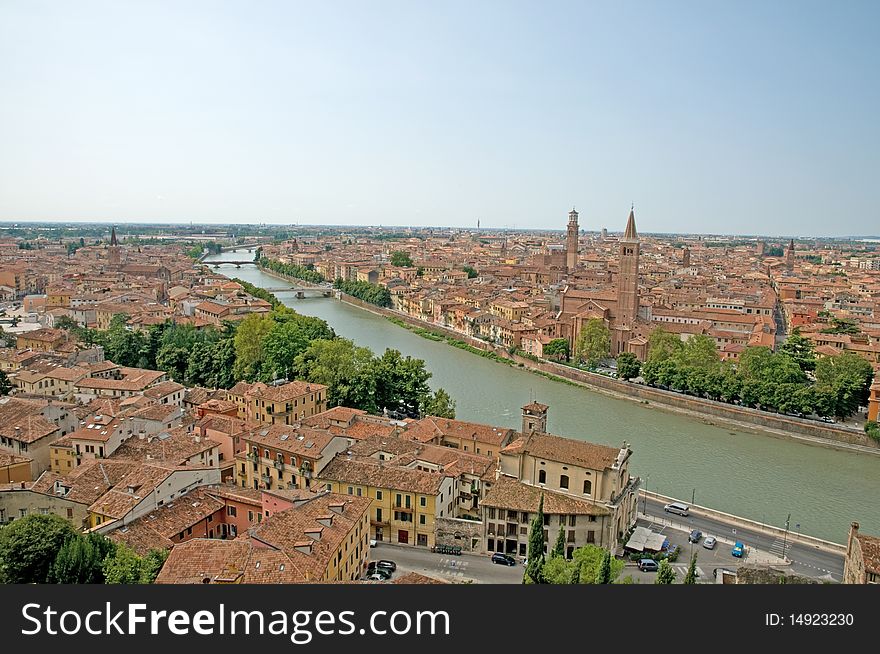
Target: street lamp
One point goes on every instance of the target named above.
(785, 536)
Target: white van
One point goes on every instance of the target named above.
(677, 507)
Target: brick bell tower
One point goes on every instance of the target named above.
(628, 278)
(571, 242)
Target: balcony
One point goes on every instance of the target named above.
(266, 479)
(401, 507)
(279, 465)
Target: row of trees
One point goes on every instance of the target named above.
(41, 549)
(791, 380)
(371, 293)
(281, 344)
(305, 273)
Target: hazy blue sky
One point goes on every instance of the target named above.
(744, 117)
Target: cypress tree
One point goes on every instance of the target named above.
(559, 547)
(535, 551)
(604, 574)
(691, 576)
(666, 574)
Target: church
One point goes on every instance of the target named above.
(618, 308)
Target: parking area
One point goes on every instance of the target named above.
(707, 560)
(469, 568)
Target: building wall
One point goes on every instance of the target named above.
(508, 531)
(17, 503)
(15, 472)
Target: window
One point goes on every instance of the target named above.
(588, 487)
(358, 491)
(562, 521)
(378, 515)
(422, 539)
(542, 476)
(591, 536)
(230, 511)
(491, 512)
(422, 519)
(378, 495)
(572, 521)
(350, 490)
(563, 481)
(423, 501)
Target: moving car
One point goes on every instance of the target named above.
(738, 550)
(710, 542)
(695, 536)
(503, 559)
(677, 507)
(648, 565)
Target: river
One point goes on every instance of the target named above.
(752, 475)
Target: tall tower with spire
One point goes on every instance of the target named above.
(113, 250)
(571, 241)
(789, 254)
(628, 278)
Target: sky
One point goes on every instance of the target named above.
(711, 117)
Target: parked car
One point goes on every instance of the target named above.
(373, 542)
(390, 566)
(503, 559)
(710, 542)
(379, 575)
(648, 565)
(738, 550)
(695, 536)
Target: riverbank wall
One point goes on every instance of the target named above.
(807, 431)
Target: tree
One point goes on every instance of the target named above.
(666, 573)
(691, 577)
(594, 342)
(282, 344)
(66, 323)
(471, 272)
(401, 259)
(699, 351)
(124, 566)
(80, 560)
(28, 547)
(558, 348)
(582, 568)
(663, 345)
(249, 338)
(346, 369)
(628, 366)
(401, 382)
(847, 378)
(604, 574)
(440, 405)
(5, 384)
(535, 551)
(559, 546)
(800, 350)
